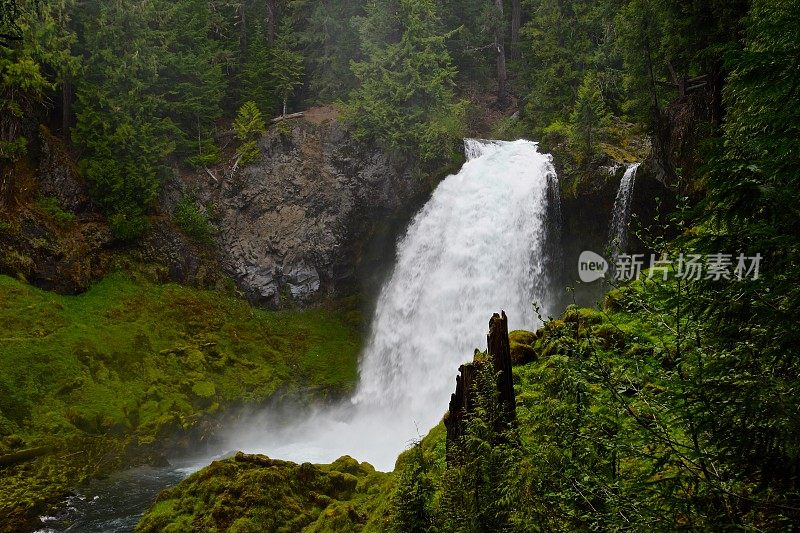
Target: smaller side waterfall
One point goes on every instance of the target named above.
(621, 216)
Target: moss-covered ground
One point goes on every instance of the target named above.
(254, 494)
(86, 379)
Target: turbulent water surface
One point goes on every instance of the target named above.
(482, 243)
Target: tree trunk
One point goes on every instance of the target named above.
(272, 20)
(242, 30)
(516, 23)
(502, 73)
(462, 402)
(66, 108)
(499, 348)
(659, 125)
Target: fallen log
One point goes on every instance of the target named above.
(24, 455)
(287, 117)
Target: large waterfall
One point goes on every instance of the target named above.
(479, 245)
(621, 216)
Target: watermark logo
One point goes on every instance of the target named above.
(690, 267)
(591, 266)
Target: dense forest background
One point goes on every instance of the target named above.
(135, 86)
(675, 405)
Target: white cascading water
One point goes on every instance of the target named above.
(479, 245)
(621, 215)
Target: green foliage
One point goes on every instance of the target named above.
(208, 154)
(752, 178)
(562, 43)
(193, 221)
(329, 42)
(590, 116)
(412, 500)
(122, 324)
(406, 99)
(150, 86)
(287, 67)
(31, 67)
(263, 494)
(52, 208)
(257, 84)
(249, 126)
(477, 479)
(66, 359)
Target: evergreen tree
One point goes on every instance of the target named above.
(257, 84)
(249, 125)
(751, 207)
(406, 100)
(563, 41)
(328, 41)
(287, 67)
(190, 85)
(120, 122)
(590, 115)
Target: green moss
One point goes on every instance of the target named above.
(193, 221)
(522, 346)
(51, 208)
(253, 493)
(177, 353)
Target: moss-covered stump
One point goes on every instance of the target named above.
(253, 493)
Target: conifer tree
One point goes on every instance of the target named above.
(406, 99)
(589, 116)
(287, 67)
(249, 125)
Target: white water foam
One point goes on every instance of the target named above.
(479, 245)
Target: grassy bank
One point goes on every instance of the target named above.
(85, 379)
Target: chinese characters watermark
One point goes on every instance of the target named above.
(689, 267)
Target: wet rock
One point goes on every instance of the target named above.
(58, 177)
(297, 225)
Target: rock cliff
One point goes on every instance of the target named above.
(302, 222)
(316, 216)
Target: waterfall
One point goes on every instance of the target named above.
(482, 243)
(621, 215)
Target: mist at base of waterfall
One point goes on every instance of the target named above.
(479, 245)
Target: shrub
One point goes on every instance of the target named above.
(249, 125)
(193, 221)
(51, 207)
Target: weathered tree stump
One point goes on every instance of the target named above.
(462, 402)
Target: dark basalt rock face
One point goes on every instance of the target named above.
(587, 217)
(301, 224)
(58, 177)
(463, 401)
(316, 216)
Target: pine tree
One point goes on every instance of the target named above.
(329, 42)
(287, 67)
(406, 100)
(120, 123)
(590, 115)
(249, 125)
(257, 83)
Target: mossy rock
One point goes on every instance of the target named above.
(581, 315)
(521, 343)
(256, 493)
